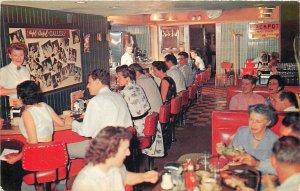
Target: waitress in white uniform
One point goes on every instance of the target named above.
(14, 73)
(127, 58)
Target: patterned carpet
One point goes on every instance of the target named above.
(195, 136)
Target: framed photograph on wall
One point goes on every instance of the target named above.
(54, 55)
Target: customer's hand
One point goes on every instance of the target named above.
(245, 158)
(150, 176)
(12, 158)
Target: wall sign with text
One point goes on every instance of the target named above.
(54, 55)
(264, 30)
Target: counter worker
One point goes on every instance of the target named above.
(127, 58)
(14, 73)
(104, 109)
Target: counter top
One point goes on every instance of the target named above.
(15, 130)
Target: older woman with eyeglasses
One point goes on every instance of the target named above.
(139, 107)
(257, 139)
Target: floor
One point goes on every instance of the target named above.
(195, 136)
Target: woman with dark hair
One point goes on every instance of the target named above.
(37, 119)
(167, 84)
(139, 107)
(275, 87)
(257, 139)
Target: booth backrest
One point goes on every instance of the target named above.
(261, 90)
(226, 123)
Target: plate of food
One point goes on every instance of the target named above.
(229, 151)
(239, 178)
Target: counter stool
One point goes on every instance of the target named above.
(149, 135)
(164, 119)
(175, 111)
(47, 161)
(192, 95)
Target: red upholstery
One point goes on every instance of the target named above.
(249, 60)
(131, 130)
(245, 71)
(192, 93)
(184, 97)
(176, 105)
(261, 90)
(164, 113)
(44, 159)
(226, 123)
(151, 124)
(128, 188)
(145, 142)
(249, 64)
(226, 66)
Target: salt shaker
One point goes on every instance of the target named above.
(166, 183)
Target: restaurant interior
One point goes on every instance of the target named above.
(228, 35)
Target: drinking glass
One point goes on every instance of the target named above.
(204, 160)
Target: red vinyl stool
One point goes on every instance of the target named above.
(47, 161)
(149, 135)
(175, 111)
(164, 119)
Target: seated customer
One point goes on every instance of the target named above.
(257, 139)
(286, 161)
(275, 87)
(105, 170)
(246, 98)
(167, 84)
(149, 86)
(36, 125)
(139, 108)
(174, 72)
(291, 125)
(286, 101)
(186, 70)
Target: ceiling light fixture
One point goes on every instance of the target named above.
(171, 17)
(156, 17)
(81, 2)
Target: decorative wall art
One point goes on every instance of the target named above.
(54, 55)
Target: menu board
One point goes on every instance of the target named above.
(54, 55)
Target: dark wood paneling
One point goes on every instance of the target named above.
(87, 24)
(289, 18)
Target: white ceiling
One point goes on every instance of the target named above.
(122, 7)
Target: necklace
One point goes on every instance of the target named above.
(257, 139)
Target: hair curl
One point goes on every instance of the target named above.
(101, 75)
(160, 65)
(29, 92)
(126, 72)
(280, 80)
(106, 144)
(266, 111)
(17, 46)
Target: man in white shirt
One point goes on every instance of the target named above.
(14, 73)
(105, 170)
(106, 108)
(174, 72)
(127, 57)
(185, 68)
(286, 161)
(286, 101)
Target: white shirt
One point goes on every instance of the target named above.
(187, 74)
(127, 59)
(291, 109)
(42, 120)
(178, 78)
(92, 178)
(10, 77)
(107, 108)
(292, 183)
(201, 63)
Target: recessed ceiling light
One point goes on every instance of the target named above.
(114, 7)
(81, 2)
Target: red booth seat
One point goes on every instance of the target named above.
(261, 90)
(226, 123)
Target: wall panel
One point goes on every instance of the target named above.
(87, 24)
